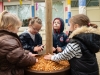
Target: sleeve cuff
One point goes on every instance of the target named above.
(52, 58)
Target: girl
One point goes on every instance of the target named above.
(31, 39)
(84, 42)
(59, 37)
(13, 59)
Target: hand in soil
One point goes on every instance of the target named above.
(33, 54)
(36, 60)
(48, 65)
(48, 57)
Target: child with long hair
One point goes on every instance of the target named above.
(13, 58)
(84, 42)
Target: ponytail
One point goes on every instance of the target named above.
(93, 25)
(1, 18)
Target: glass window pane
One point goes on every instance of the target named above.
(57, 10)
(24, 11)
(12, 8)
(40, 11)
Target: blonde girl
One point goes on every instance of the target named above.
(13, 58)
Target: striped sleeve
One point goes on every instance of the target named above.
(71, 50)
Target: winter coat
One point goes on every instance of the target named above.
(60, 38)
(89, 41)
(28, 43)
(13, 59)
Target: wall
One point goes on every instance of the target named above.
(92, 12)
(1, 7)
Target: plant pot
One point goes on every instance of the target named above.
(65, 71)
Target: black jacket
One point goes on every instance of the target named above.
(87, 64)
(28, 43)
(60, 38)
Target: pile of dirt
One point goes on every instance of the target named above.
(47, 65)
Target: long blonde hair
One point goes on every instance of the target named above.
(8, 20)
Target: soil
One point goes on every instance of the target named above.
(47, 65)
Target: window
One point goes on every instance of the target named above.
(22, 11)
(89, 3)
(57, 10)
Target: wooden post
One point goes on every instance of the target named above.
(48, 27)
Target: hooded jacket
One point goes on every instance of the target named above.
(13, 59)
(28, 43)
(59, 38)
(89, 40)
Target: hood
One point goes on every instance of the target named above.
(89, 36)
(61, 26)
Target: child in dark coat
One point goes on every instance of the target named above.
(59, 37)
(31, 39)
(84, 42)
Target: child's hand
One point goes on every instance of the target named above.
(59, 49)
(42, 47)
(32, 54)
(36, 60)
(37, 48)
(54, 49)
(48, 57)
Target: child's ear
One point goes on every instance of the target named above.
(76, 26)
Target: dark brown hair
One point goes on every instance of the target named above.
(31, 21)
(81, 20)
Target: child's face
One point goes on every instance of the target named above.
(73, 27)
(16, 29)
(56, 24)
(34, 29)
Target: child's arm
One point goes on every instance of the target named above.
(71, 50)
(16, 55)
(25, 45)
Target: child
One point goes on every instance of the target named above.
(13, 59)
(31, 39)
(84, 42)
(59, 37)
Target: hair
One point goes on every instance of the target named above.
(81, 20)
(8, 20)
(33, 20)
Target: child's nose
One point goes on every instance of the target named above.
(55, 23)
